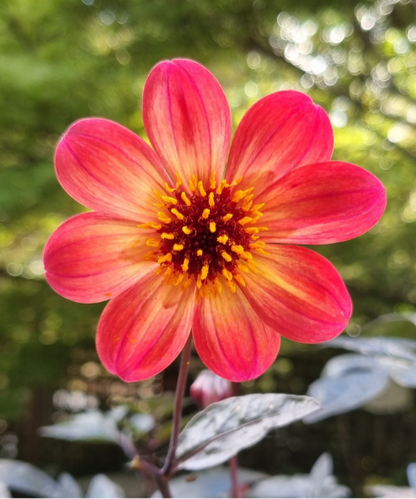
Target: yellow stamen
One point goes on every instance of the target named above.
(227, 217)
(204, 272)
(185, 199)
(247, 206)
(169, 200)
(226, 256)
(185, 264)
(238, 195)
(218, 285)
(158, 195)
(243, 268)
(205, 213)
(247, 199)
(258, 206)
(252, 266)
(165, 258)
(246, 255)
(178, 215)
(262, 252)
(231, 286)
(153, 243)
(169, 189)
(163, 218)
(165, 235)
(168, 273)
(199, 252)
(185, 230)
(201, 189)
(212, 227)
(178, 180)
(236, 182)
(179, 279)
(240, 280)
(237, 249)
(255, 237)
(159, 270)
(193, 183)
(150, 225)
(221, 187)
(256, 216)
(227, 274)
(178, 247)
(255, 230)
(211, 199)
(258, 244)
(222, 239)
(213, 181)
(199, 282)
(245, 220)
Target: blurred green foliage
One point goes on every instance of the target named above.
(61, 60)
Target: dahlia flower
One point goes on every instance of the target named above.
(181, 240)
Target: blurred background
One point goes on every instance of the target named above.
(61, 60)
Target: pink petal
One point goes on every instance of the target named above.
(321, 204)
(109, 169)
(299, 294)
(92, 257)
(187, 119)
(230, 338)
(144, 329)
(280, 132)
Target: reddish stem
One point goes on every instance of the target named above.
(235, 490)
(177, 411)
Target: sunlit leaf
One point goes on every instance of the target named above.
(319, 483)
(4, 491)
(210, 483)
(26, 479)
(102, 486)
(393, 347)
(118, 413)
(402, 372)
(411, 475)
(94, 426)
(142, 423)
(222, 429)
(68, 486)
(346, 393)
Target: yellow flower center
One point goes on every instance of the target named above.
(205, 234)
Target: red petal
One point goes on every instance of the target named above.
(321, 204)
(109, 169)
(91, 257)
(298, 293)
(144, 329)
(230, 338)
(187, 119)
(280, 132)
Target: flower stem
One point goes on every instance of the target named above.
(235, 490)
(177, 411)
